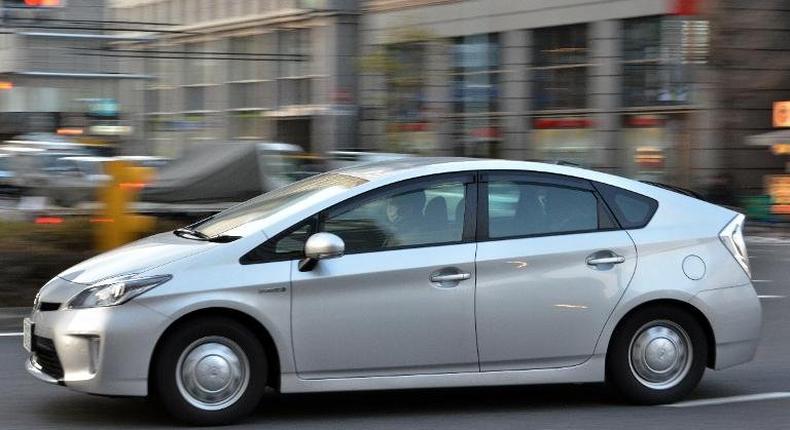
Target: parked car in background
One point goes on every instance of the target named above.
(73, 179)
(228, 172)
(152, 161)
(7, 183)
(409, 273)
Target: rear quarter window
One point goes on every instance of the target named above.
(632, 210)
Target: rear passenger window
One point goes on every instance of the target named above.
(631, 209)
(525, 209)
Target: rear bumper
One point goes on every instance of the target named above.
(735, 315)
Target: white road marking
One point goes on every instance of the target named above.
(769, 296)
(732, 399)
(763, 240)
(755, 281)
(10, 334)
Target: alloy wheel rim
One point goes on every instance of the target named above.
(212, 373)
(660, 354)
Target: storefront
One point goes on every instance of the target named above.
(777, 186)
(563, 128)
(476, 73)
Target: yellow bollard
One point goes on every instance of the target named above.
(115, 224)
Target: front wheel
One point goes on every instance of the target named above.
(657, 356)
(210, 372)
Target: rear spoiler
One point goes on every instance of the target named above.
(684, 191)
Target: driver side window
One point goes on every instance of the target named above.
(429, 215)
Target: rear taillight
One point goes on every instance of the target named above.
(732, 238)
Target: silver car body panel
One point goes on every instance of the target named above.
(433, 345)
(391, 318)
(540, 305)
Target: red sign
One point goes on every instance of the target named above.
(685, 7)
(544, 123)
(645, 121)
(42, 3)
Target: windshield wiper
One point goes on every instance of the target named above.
(188, 233)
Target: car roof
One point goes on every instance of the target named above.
(402, 168)
(395, 170)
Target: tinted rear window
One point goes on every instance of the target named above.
(631, 209)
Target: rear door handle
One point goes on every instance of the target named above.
(452, 277)
(615, 259)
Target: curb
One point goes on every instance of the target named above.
(11, 319)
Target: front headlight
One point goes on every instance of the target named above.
(114, 291)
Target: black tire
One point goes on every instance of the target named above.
(622, 376)
(166, 388)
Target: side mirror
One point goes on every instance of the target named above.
(321, 246)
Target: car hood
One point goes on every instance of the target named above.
(136, 257)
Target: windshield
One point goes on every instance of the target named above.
(267, 204)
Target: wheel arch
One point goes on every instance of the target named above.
(677, 304)
(260, 331)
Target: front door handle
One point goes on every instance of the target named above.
(614, 259)
(451, 277)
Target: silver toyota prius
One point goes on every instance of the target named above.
(412, 273)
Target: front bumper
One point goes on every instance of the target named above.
(100, 351)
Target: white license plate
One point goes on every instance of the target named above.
(27, 334)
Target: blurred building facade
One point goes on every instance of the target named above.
(665, 90)
(47, 81)
(631, 86)
(276, 70)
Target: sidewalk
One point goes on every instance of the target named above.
(761, 228)
(11, 319)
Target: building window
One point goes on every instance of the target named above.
(560, 67)
(657, 54)
(294, 68)
(251, 87)
(476, 69)
(196, 66)
(242, 68)
(408, 118)
(194, 98)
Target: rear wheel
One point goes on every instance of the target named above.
(210, 371)
(657, 356)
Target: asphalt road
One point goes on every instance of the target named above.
(28, 404)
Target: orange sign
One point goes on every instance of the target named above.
(782, 114)
(780, 149)
(778, 187)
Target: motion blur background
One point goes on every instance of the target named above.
(225, 99)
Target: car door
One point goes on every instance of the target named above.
(401, 299)
(551, 266)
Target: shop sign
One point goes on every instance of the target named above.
(778, 187)
(780, 149)
(103, 107)
(782, 114)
